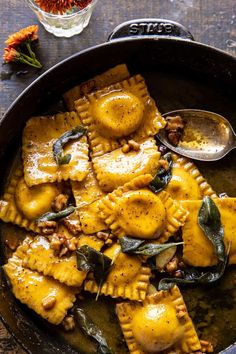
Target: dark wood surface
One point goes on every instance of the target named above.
(210, 21)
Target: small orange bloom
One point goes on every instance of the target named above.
(55, 6)
(60, 6)
(25, 34)
(10, 55)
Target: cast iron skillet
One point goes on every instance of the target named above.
(180, 73)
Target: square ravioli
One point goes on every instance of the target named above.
(90, 220)
(115, 112)
(136, 211)
(187, 181)
(39, 256)
(160, 324)
(9, 211)
(46, 296)
(88, 190)
(39, 135)
(198, 251)
(109, 77)
(116, 168)
(128, 277)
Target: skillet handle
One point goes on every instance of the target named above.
(150, 27)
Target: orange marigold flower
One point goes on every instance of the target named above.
(55, 6)
(10, 55)
(25, 34)
(60, 6)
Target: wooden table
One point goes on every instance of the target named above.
(210, 21)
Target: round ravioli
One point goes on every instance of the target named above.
(183, 186)
(36, 200)
(156, 327)
(118, 114)
(141, 214)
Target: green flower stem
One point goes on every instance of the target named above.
(21, 59)
(32, 54)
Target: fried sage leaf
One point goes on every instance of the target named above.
(73, 134)
(163, 176)
(91, 330)
(89, 259)
(195, 276)
(209, 221)
(137, 246)
(55, 216)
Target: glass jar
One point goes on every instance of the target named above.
(66, 25)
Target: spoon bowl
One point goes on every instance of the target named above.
(207, 136)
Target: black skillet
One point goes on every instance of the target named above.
(179, 72)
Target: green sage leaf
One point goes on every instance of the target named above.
(129, 244)
(163, 176)
(91, 330)
(73, 134)
(195, 276)
(210, 223)
(138, 246)
(89, 259)
(55, 216)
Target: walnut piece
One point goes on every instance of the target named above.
(48, 227)
(174, 129)
(60, 202)
(73, 226)
(68, 323)
(62, 244)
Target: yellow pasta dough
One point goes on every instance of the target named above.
(40, 257)
(120, 110)
(39, 136)
(88, 190)
(187, 181)
(9, 210)
(128, 278)
(198, 251)
(109, 77)
(90, 220)
(133, 210)
(155, 325)
(35, 201)
(116, 168)
(34, 289)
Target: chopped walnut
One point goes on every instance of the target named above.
(73, 226)
(102, 235)
(48, 227)
(174, 129)
(68, 323)
(131, 145)
(62, 244)
(107, 237)
(207, 347)
(60, 202)
(12, 243)
(172, 265)
(49, 302)
(174, 123)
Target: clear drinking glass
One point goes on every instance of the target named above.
(66, 25)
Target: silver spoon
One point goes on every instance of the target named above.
(207, 136)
